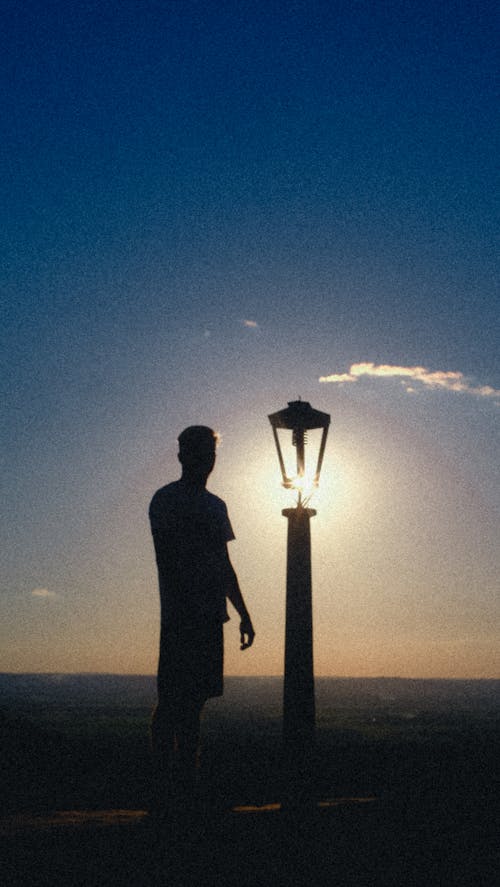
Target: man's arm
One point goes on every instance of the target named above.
(164, 551)
(233, 593)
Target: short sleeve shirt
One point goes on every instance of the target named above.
(190, 529)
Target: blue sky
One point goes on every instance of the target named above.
(325, 171)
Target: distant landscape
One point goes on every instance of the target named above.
(82, 741)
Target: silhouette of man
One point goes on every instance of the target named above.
(191, 529)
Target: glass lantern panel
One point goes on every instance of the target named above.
(301, 481)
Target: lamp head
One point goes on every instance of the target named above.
(299, 417)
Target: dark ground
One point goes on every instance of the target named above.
(421, 758)
(371, 843)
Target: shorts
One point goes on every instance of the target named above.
(191, 663)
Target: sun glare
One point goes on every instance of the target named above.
(304, 485)
(263, 475)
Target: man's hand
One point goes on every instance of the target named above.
(247, 633)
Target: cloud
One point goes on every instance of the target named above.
(252, 324)
(43, 592)
(338, 377)
(437, 379)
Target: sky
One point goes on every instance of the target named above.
(212, 209)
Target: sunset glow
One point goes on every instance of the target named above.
(215, 210)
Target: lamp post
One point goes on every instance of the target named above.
(299, 719)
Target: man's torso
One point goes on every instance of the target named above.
(190, 528)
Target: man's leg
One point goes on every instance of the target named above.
(163, 738)
(187, 734)
(163, 753)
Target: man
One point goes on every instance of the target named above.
(191, 529)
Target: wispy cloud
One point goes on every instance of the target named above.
(43, 592)
(252, 324)
(436, 379)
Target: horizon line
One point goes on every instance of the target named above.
(337, 677)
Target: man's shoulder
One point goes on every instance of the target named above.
(215, 501)
(178, 495)
(165, 499)
(181, 508)
(167, 490)
(217, 509)
(164, 494)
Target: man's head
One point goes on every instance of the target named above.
(197, 450)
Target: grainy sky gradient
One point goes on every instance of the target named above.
(209, 207)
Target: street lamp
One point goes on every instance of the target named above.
(298, 695)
